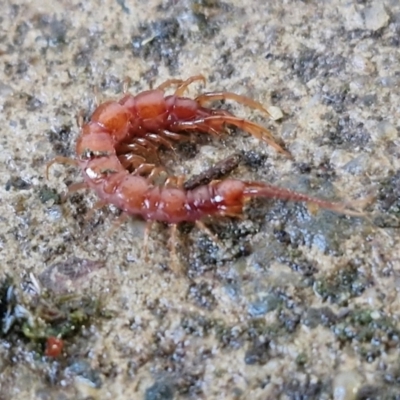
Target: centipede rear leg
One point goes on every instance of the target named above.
(204, 98)
(215, 123)
(218, 118)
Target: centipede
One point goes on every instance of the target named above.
(117, 152)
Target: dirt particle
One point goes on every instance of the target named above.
(201, 294)
(160, 390)
(17, 183)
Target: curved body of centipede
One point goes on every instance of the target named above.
(115, 146)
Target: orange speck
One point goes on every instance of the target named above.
(54, 346)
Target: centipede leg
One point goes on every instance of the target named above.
(182, 84)
(172, 241)
(147, 143)
(117, 223)
(96, 95)
(159, 140)
(96, 206)
(155, 174)
(168, 83)
(182, 88)
(216, 122)
(60, 160)
(138, 149)
(175, 181)
(144, 168)
(178, 137)
(74, 187)
(147, 229)
(131, 161)
(204, 228)
(213, 96)
(125, 84)
(80, 119)
(152, 172)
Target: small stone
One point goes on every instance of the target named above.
(384, 131)
(375, 315)
(357, 165)
(351, 17)
(275, 113)
(389, 81)
(288, 131)
(375, 17)
(346, 385)
(340, 158)
(159, 391)
(363, 65)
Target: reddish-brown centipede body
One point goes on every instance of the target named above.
(115, 149)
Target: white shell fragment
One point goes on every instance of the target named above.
(275, 113)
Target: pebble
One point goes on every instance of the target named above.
(375, 17)
(384, 130)
(340, 158)
(275, 113)
(362, 65)
(346, 385)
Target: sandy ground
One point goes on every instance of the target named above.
(294, 303)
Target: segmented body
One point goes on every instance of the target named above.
(117, 148)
